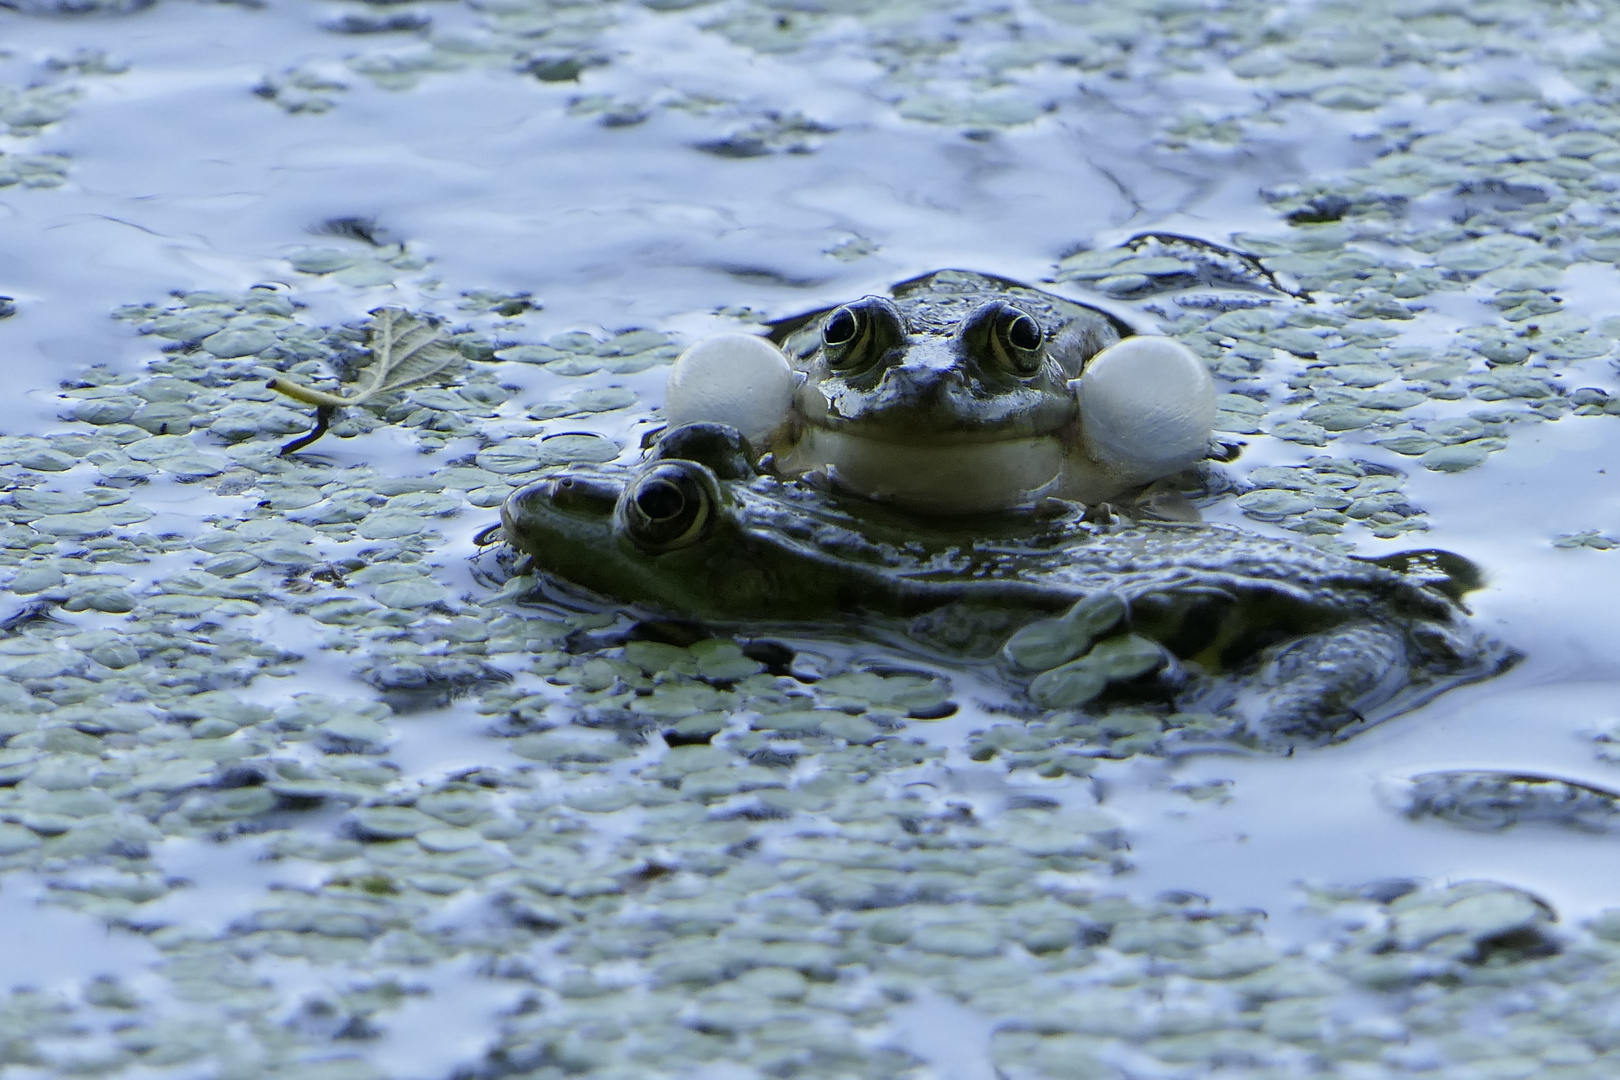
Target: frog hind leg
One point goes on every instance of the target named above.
(1329, 686)
(1326, 686)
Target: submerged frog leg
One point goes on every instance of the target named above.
(1161, 501)
(1487, 799)
(1314, 689)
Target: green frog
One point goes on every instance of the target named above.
(958, 393)
(1296, 645)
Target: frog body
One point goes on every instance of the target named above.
(959, 393)
(1298, 645)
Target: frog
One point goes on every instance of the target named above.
(1289, 643)
(958, 393)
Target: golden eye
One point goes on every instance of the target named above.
(1016, 341)
(859, 335)
(668, 505)
(1004, 339)
(841, 328)
(1021, 331)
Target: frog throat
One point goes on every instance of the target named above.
(933, 478)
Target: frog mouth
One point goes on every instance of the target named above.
(935, 476)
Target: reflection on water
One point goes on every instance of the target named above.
(312, 777)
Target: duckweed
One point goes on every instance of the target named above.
(717, 863)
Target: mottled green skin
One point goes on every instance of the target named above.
(939, 384)
(1303, 645)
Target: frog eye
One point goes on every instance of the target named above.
(858, 335)
(1016, 341)
(1006, 339)
(1021, 331)
(841, 328)
(670, 505)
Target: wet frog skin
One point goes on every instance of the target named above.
(958, 393)
(1296, 645)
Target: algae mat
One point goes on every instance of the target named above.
(298, 782)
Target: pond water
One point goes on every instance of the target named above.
(293, 785)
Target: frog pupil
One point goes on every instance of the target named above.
(1023, 333)
(660, 500)
(840, 328)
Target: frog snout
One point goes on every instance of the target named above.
(924, 384)
(590, 495)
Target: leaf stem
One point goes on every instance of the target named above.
(323, 417)
(307, 394)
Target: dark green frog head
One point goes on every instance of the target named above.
(694, 529)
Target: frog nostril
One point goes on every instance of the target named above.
(919, 383)
(581, 495)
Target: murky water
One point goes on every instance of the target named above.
(248, 829)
